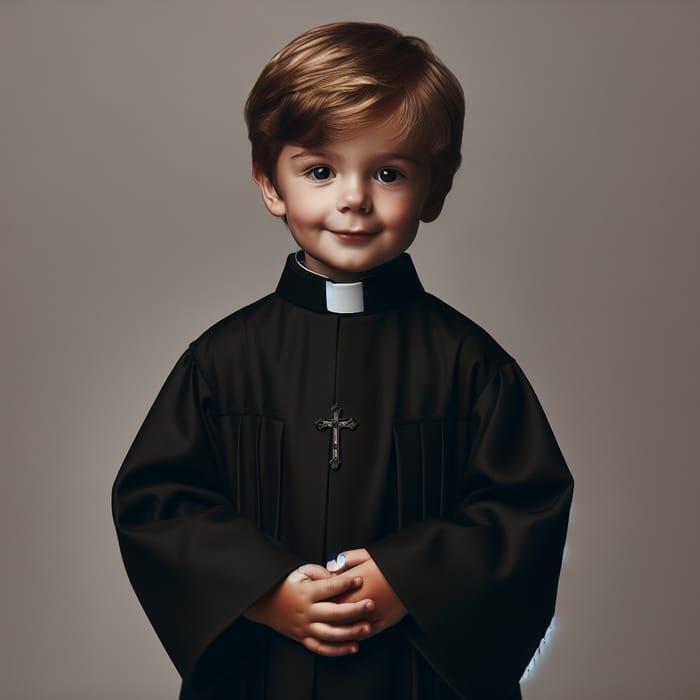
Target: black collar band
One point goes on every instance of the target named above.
(387, 286)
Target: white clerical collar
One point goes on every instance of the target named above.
(341, 297)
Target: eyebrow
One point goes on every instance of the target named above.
(401, 156)
(308, 154)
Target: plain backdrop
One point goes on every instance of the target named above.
(130, 224)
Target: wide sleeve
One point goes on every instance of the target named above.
(480, 587)
(195, 564)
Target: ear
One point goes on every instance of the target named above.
(433, 204)
(271, 197)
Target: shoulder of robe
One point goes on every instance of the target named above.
(480, 355)
(222, 340)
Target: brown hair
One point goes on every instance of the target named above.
(336, 79)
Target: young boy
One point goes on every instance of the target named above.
(351, 419)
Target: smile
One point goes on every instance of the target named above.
(354, 235)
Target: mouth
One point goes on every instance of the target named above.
(354, 235)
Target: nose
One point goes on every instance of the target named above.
(354, 196)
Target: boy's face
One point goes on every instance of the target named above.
(352, 204)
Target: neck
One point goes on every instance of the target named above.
(334, 275)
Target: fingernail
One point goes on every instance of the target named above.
(341, 560)
(332, 565)
(357, 581)
(355, 650)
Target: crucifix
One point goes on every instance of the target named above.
(336, 424)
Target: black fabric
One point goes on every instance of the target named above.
(384, 287)
(453, 481)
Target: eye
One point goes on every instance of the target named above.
(388, 175)
(320, 173)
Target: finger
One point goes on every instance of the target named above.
(314, 571)
(337, 564)
(353, 557)
(332, 633)
(333, 586)
(341, 613)
(330, 649)
(296, 576)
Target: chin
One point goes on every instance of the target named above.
(361, 263)
(357, 269)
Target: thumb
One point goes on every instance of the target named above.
(314, 571)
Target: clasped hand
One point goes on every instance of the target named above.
(330, 612)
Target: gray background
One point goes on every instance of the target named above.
(130, 224)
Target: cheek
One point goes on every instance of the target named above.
(307, 208)
(403, 212)
(302, 214)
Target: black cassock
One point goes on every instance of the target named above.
(452, 480)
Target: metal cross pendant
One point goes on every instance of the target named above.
(336, 424)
